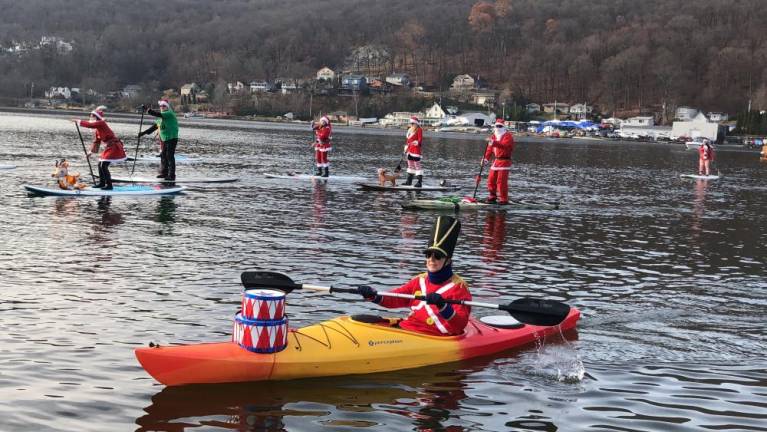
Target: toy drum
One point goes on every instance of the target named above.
(260, 336)
(263, 305)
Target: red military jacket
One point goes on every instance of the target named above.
(426, 318)
(501, 148)
(414, 140)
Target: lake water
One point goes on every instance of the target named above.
(668, 273)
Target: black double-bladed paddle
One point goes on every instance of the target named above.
(525, 310)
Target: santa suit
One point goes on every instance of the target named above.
(322, 145)
(498, 179)
(426, 318)
(414, 138)
(706, 155)
(114, 151)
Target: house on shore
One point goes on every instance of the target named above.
(399, 80)
(685, 114)
(260, 86)
(556, 108)
(189, 93)
(326, 74)
(533, 108)
(699, 126)
(581, 110)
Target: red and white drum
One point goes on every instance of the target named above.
(262, 305)
(260, 336)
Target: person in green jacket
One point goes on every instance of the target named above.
(167, 123)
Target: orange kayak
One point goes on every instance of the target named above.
(340, 346)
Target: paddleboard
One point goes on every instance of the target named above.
(7, 167)
(457, 203)
(178, 180)
(297, 176)
(118, 190)
(699, 177)
(179, 159)
(377, 187)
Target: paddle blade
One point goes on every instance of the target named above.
(537, 311)
(268, 280)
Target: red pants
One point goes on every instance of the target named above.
(322, 158)
(498, 185)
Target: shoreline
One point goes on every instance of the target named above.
(242, 124)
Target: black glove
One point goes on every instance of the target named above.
(140, 134)
(367, 292)
(436, 299)
(143, 108)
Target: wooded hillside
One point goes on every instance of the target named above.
(618, 54)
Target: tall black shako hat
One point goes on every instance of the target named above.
(444, 235)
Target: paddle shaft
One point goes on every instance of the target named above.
(138, 141)
(85, 151)
(331, 290)
(401, 159)
(479, 176)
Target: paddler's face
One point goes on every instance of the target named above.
(435, 261)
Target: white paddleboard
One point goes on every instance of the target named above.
(7, 167)
(130, 190)
(377, 187)
(156, 159)
(699, 177)
(297, 176)
(178, 180)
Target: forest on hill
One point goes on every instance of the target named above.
(618, 54)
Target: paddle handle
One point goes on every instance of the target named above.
(90, 167)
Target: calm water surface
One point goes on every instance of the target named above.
(669, 275)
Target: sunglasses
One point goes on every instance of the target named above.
(499, 126)
(434, 254)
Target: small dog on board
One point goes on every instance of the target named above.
(385, 176)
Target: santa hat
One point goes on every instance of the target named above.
(414, 120)
(163, 103)
(324, 120)
(499, 122)
(98, 112)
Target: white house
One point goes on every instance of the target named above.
(471, 119)
(483, 97)
(131, 90)
(401, 118)
(261, 86)
(685, 114)
(289, 86)
(58, 93)
(699, 126)
(399, 79)
(235, 87)
(326, 74)
(533, 107)
(580, 109)
(463, 82)
(435, 112)
(556, 107)
(718, 117)
(640, 121)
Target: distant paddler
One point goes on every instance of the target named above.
(413, 145)
(706, 153)
(167, 123)
(501, 146)
(323, 134)
(114, 151)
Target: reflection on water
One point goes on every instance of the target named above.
(670, 277)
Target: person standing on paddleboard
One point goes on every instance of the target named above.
(167, 123)
(414, 139)
(500, 145)
(706, 152)
(433, 315)
(113, 152)
(322, 145)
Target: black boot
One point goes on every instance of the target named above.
(327, 172)
(418, 183)
(409, 180)
(319, 172)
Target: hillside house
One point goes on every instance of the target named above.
(260, 86)
(685, 114)
(131, 90)
(533, 108)
(58, 93)
(581, 110)
(483, 97)
(399, 80)
(699, 126)
(189, 93)
(556, 108)
(326, 74)
(354, 83)
(718, 117)
(235, 87)
(463, 82)
(639, 121)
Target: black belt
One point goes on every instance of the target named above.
(502, 158)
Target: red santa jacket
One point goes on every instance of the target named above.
(414, 141)
(501, 148)
(706, 152)
(322, 134)
(114, 150)
(426, 318)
